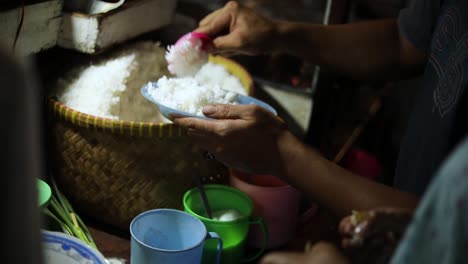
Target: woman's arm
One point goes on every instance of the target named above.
(365, 50)
(250, 138)
(372, 50)
(332, 186)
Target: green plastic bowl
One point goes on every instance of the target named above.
(44, 192)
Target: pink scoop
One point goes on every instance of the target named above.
(206, 40)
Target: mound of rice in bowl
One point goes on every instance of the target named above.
(187, 95)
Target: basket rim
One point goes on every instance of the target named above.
(137, 128)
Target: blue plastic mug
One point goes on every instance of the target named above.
(169, 236)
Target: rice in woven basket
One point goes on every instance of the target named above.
(112, 168)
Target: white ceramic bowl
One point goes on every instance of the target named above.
(167, 111)
(60, 248)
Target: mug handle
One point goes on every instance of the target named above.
(259, 221)
(214, 235)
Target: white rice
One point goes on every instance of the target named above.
(109, 86)
(186, 57)
(212, 84)
(215, 74)
(187, 95)
(95, 90)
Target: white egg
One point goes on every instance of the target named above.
(227, 215)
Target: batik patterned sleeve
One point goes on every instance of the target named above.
(439, 231)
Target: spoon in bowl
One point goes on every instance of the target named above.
(201, 189)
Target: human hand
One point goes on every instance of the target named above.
(321, 253)
(245, 137)
(372, 236)
(236, 29)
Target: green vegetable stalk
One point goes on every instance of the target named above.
(61, 211)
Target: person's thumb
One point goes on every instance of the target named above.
(222, 111)
(283, 258)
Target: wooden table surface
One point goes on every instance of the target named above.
(320, 227)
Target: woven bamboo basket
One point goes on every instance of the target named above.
(113, 170)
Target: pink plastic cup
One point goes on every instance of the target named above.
(275, 201)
